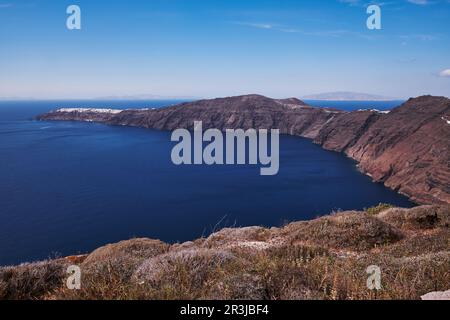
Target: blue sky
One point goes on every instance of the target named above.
(207, 48)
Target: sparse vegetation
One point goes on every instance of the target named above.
(325, 258)
(379, 208)
(31, 281)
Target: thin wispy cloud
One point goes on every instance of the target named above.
(333, 33)
(338, 33)
(360, 3)
(419, 2)
(256, 25)
(421, 37)
(406, 60)
(286, 29)
(267, 26)
(406, 39)
(427, 2)
(6, 5)
(350, 2)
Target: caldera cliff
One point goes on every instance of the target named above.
(407, 149)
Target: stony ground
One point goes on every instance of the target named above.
(326, 258)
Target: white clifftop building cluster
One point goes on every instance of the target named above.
(97, 110)
(113, 111)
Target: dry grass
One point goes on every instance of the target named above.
(349, 230)
(419, 218)
(325, 258)
(31, 281)
(379, 208)
(135, 249)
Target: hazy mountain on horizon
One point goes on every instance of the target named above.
(348, 96)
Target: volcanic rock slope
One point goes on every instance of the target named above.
(407, 149)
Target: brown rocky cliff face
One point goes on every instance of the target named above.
(407, 149)
(291, 116)
(343, 130)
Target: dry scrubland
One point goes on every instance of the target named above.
(321, 259)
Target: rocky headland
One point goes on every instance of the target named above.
(407, 148)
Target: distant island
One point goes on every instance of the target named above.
(348, 96)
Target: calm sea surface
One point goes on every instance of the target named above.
(68, 187)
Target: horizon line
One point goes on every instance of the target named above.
(195, 98)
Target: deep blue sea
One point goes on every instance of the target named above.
(356, 105)
(68, 187)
